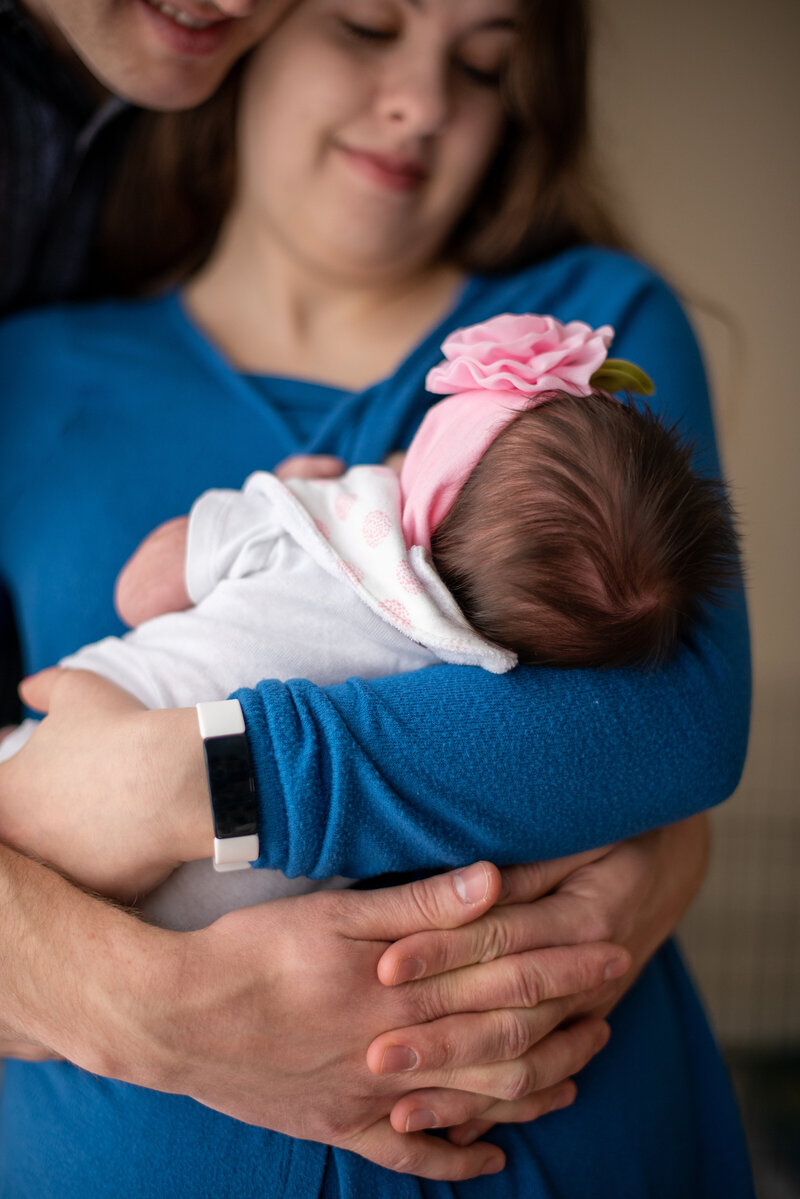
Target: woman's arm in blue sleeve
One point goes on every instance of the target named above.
(451, 763)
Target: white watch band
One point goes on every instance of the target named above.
(230, 783)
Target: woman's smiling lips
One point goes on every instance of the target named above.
(389, 171)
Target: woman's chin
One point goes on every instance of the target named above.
(359, 258)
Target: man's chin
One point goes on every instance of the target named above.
(164, 89)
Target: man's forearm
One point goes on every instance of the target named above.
(70, 965)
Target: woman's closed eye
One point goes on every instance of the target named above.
(484, 76)
(367, 33)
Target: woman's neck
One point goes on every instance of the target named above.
(272, 313)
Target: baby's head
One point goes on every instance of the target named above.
(584, 538)
(569, 526)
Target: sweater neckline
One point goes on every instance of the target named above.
(175, 301)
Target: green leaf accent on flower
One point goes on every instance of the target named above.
(618, 375)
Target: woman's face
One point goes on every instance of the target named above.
(366, 126)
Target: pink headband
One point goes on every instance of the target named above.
(492, 371)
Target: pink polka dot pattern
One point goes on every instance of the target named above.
(343, 503)
(398, 610)
(353, 573)
(377, 525)
(407, 579)
(323, 529)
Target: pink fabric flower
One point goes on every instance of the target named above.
(491, 372)
(522, 353)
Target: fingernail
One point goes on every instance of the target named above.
(471, 884)
(493, 1164)
(408, 969)
(421, 1119)
(616, 968)
(397, 1059)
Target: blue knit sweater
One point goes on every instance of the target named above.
(129, 412)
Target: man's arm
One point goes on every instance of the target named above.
(235, 1017)
(631, 894)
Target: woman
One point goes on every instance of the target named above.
(379, 161)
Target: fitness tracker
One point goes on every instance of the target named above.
(230, 783)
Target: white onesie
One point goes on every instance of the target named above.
(305, 579)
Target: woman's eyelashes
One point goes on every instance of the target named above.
(368, 33)
(488, 77)
(483, 76)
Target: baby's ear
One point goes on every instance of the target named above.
(153, 581)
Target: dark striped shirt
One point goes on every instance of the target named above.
(57, 151)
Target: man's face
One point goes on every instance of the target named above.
(164, 54)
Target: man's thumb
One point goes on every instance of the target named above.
(443, 901)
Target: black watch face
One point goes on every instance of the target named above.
(230, 779)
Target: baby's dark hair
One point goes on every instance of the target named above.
(583, 537)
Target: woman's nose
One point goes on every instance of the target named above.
(416, 100)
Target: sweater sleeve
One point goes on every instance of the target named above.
(438, 767)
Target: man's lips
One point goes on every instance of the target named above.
(391, 171)
(188, 29)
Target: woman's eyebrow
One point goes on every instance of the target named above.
(489, 23)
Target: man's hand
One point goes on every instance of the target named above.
(265, 1015)
(632, 894)
(272, 1009)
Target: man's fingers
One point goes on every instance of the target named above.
(442, 902)
(561, 1054)
(466, 1040)
(532, 880)
(427, 1157)
(434, 1108)
(555, 920)
(522, 980)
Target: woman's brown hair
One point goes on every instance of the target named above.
(540, 194)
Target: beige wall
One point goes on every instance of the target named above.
(698, 107)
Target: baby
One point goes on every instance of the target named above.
(536, 519)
